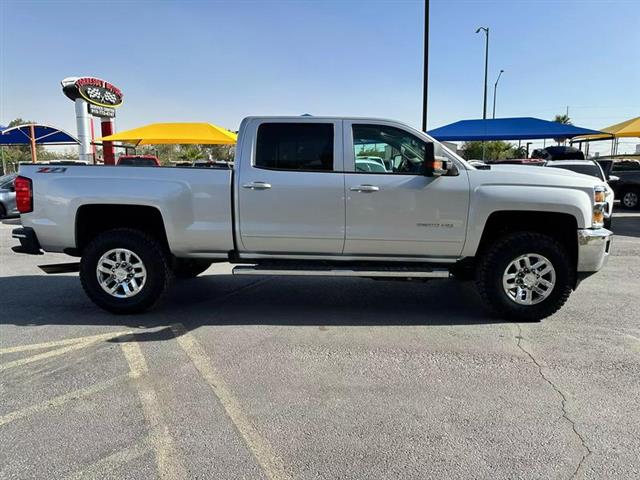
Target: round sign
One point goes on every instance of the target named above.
(93, 90)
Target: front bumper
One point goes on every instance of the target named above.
(28, 241)
(593, 248)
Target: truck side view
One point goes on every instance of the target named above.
(322, 196)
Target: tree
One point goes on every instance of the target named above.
(494, 150)
(564, 119)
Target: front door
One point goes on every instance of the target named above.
(392, 208)
(291, 191)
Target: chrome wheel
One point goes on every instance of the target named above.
(121, 273)
(529, 279)
(630, 199)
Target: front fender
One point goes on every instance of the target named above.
(489, 199)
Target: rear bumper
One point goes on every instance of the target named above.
(593, 248)
(29, 243)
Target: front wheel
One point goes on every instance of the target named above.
(124, 271)
(525, 276)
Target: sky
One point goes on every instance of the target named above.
(219, 61)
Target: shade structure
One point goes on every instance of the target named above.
(519, 128)
(42, 134)
(33, 134)
(175, 133)
(628, 128)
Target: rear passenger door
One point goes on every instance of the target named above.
(291, 195)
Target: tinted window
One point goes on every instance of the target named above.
(383, 149)
(295, 146)
(137, 162)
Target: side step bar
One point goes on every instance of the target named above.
(342, 272)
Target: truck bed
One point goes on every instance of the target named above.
(195, 203)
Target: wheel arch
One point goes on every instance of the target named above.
(93, 219)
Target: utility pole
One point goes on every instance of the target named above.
(425, 75)
(486, 67)
(495, 88)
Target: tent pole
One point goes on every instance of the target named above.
(32, 138)
(4, 162)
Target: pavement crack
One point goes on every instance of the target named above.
(565, 415)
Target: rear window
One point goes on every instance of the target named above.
(295, 146)
(137, 162)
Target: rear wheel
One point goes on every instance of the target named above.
(630, 199)
(124, 271)
(189, 267)
(525, 276)
(3, 212)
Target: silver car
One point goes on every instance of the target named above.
(8, 207)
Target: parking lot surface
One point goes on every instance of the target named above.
(278, 378)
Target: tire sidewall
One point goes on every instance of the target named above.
(149, 253)
(495, 270)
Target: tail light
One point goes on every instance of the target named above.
(24, 194)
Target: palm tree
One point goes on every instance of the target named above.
(565, 120)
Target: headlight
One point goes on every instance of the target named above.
(599, 206)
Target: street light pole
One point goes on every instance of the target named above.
(495, 88)
(486, 67)
(425, 76)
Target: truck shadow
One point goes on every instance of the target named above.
(228, 300)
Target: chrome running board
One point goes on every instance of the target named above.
(342, 272)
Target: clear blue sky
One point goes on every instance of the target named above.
(220, 61)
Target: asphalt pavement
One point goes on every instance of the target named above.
(304, 378)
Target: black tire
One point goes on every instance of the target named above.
(608, 222)
(630, 199)
(149, 251)
(494, 262)
(189, 267)
(3, 211)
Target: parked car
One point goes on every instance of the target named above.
(8, 207)
(624, 178)
(370, 164)
(138, 161)
(294, 203)
(593, 169)
(558, 152)
(534, 162)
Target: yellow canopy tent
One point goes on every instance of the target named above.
(175, 133)
(629, 128)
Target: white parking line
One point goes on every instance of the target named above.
(59, 401)
(271, 464)
(167, 458)
(112, 462)
(66, 341)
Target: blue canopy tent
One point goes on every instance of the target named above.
(520, 128)
(35, 134)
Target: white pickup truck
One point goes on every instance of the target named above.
(321, 196)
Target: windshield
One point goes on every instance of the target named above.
(591, 170)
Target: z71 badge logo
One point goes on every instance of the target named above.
(51, 170)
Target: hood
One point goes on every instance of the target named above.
(537, 175)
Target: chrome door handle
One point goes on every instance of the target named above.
(257, 185)
(365, 188)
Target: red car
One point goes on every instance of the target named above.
(138, 160)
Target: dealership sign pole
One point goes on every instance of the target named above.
(98, 98)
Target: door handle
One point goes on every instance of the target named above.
(257, 185)
(365, 188)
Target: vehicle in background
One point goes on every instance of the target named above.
(67, 162)
(593, 169)
(210, 164)
(534, 162)
(296, 203)
(558, 152)
(138, 161)
(8, 207)
(370, 164)
(625, 182)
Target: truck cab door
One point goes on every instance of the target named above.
(392, 208)
(290, 187)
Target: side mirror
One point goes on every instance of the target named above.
(436, 166)
(613, 178)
